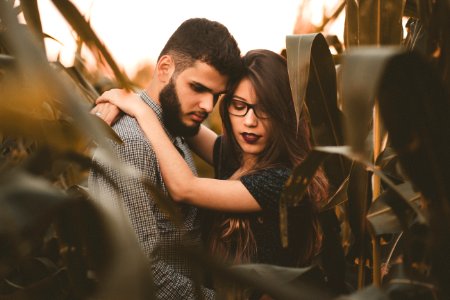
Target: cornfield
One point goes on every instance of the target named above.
(379, 111)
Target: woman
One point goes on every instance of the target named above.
(259, 147)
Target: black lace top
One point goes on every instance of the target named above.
(265, 186)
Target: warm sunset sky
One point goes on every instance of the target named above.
(136, 30)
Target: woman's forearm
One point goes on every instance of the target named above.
(182, 184)
(175, 171)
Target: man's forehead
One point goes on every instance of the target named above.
(205, 75)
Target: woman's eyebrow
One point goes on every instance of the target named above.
(240, 98)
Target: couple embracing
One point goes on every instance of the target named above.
(200, 66)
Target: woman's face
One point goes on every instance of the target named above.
(250, 124)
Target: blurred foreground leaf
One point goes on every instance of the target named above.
(361, 70)
(272, 280)
(84, 30)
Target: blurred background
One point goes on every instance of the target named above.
(379, 112)
(135, 32)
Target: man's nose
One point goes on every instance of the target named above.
(207, 102)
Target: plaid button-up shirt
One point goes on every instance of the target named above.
(172, 275)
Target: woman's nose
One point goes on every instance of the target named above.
(250, 119)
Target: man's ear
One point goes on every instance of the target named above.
(165, 68)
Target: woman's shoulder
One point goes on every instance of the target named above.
(266, 185)
(273, 173)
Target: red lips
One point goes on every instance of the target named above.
(250, 138)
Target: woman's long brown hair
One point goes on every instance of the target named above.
(232, 237)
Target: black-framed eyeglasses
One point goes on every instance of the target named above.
(240, 108)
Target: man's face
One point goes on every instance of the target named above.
(189, 97)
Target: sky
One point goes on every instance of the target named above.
(135, 31)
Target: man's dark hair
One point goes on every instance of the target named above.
(207, 41)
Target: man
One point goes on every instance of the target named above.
(197, 64)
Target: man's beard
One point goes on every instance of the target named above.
(171, 108)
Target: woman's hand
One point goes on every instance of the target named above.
(107, 112)
(111, 102)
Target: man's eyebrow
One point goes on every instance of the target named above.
(198, 84)
(207, 88)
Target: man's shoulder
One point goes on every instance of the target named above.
(135, 150)
(127, 128)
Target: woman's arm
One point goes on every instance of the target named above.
(202, 143)
(107, 112)
(182, 184)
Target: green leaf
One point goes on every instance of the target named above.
(391, 27)
(284, 274)
(361, 70)
(403, 193)
(27, 203)
(368, 293)
(401, 283)
(351, 25)
(309, 279)
(321, 96)
(87, 34)
(373, 22)
(19, 41)
(109, 132)
(332, 257)
(295, 188)
(299, 51)
(80, 81)
(43, 82)
(415, 106)
(326, 120)
(339, 197)
(388, 162)
(358, 205)
(31, 13)
(7, 61)
(272, 280)
(384, 220)
(59, 135)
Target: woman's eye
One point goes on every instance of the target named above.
(238, 106)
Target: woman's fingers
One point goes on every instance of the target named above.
(112, 102)
(112, 113)
(107, 112)
(111, 96)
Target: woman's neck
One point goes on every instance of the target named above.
(248, 164)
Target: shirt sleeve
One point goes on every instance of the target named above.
(127, 194)
(132, 197)
(173, 285)
(266, 186)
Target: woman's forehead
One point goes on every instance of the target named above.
(246, 91)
